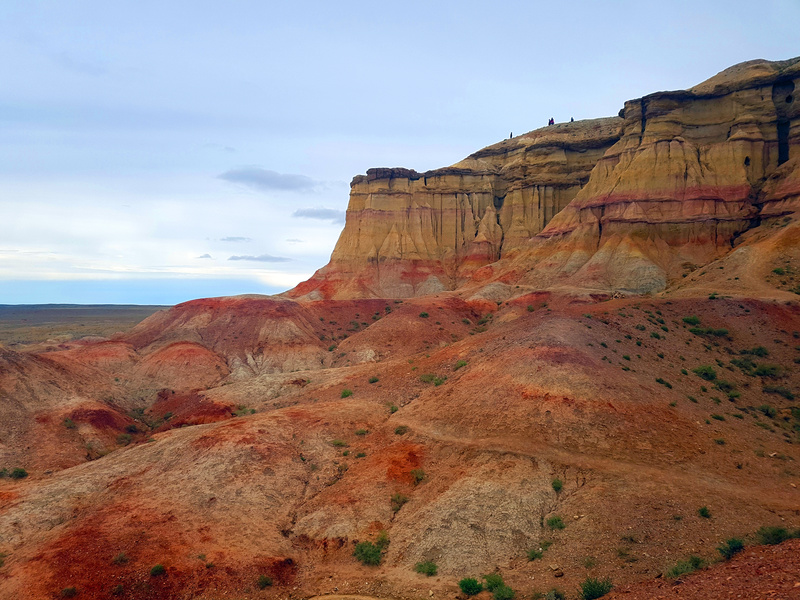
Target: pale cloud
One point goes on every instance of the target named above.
(205, 256)
(236, 238)
(262, 258)
(322, 214)
(266, 180)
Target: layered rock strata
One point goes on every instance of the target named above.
(410, 233)
(627, 203)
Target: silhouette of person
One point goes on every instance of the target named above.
(571, 120)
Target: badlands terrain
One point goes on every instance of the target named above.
(572, 355)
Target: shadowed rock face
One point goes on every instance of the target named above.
(624, 203)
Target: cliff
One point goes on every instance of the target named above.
(410, 233)
(626, 203)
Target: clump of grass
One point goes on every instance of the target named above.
(120, 559)
(337, 443)
(768, 411)
(691, 320)
(158, 571)
(779, 390)
(757, 351)
(664, 382)
(426, 568)
(460, 364)
(773, 535)
(684, 567)
(470, 586)
(593, 588)
(423, 315)
(69, 423)
(18, 473)
(373, 379)
(417, 475)
(704, 512)
(69, 592)
(398, 500)
(706, 372)
(264, 582)
(401, 430)
(730, 547)
(362, 431)
(556, 522)
(367, 553)
(718, 417)
(346, 393)
(535, 554)
(557, 485)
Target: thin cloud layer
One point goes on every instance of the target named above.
(322, 214)
(265, 180)
(262, 258)
(205, 256)
(236, 238)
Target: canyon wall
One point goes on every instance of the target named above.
(624, 203)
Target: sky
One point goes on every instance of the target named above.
(152, 152)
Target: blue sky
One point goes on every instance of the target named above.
(154, 152)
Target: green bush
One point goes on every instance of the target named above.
(768, 411)
(398, 500)
(757, 351)
(706, 372)
(424, 315)
(346, 393)
(362, 431)
(772, 535)
(685, 566)
(264, 582)
(555, 523)
(535, 554)
(593, 588)
(426, 568)
(704, 512)
(459, 365)
(337, 443)
(382, 541)
(780, 390)
(493, 581)
(157, 571)
(557, 485)
(417, 475)
(18, 473)
(120, 559)
(504, 593)
(663, 382)
(401, 430)
(692, 320)
(765, 370)
(470, 586)
(124, 439)
(367, 553)
(373, 379)
(731, 547)
(69, 592)
(69, 423)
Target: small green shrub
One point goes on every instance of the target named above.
(398, 500)
(120, 559)
(493, 581)
(69, 592)
(360, 454)
(757, 351)
(664, 382)
(704, 512)
(557, 485)
(157, 571)
(779, 390)
(362, 431)
(772, 535)
(768, 411)
(117, 590)
(424, 315)
(373, 379)
(470, 586)
(367, 553)
(685, 566)
(382, 541)
(69, 423)
(346, 393)
(401, 430)
(18, 473)
(124, 439)
(503, 593)
(263, 582)
(337, 443)
(692, 320)
(555, 523)
(731, 547)
(593, 588)
(460, 364)
(535, 554)
(393, 408)
(718, 417)
(706, 372)
(426, 568)
(417, 475)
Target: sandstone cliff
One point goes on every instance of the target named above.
(410, 233)
(624, 203)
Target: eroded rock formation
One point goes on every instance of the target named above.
(625, 203)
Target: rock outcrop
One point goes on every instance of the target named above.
(625, 203)
(410, 233)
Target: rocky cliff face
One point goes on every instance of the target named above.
(625, 203)
(410, 233)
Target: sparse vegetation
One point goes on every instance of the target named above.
(779, 390)
(460, 364)
(18, 473)
(362, 431)
(158, 571)
(493, 581)
(704, 512)
(346, 393)
(470, 586)
(417, 475)
(69, 423)
(684, 567)
(398, 500)
(730, 547)
(426, 568)
(663, 382)
(424, 315)
(555, 522)
(69, 592)
(691, 320)
(120, 559)
(557, 485)
(706, 372)
(401, 430)
(771, 536)
(337, 443)
(367, 553)
(263, 582)
(592, 588)
(373, 379)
